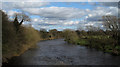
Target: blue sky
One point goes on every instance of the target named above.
(62, 15)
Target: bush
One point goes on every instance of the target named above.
(26, 38)
(70, 36)
(28, 34)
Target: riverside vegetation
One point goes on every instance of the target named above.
(106, 40)
(97, 40)
(17, 38)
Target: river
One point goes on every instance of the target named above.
(58, 52)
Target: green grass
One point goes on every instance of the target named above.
(82, 42)
(97, 37)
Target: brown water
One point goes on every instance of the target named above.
(58, 52)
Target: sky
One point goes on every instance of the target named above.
(61, 15)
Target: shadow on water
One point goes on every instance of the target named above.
(58, 52)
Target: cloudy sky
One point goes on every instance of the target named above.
(62, 15)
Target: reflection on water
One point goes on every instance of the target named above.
(58, 52)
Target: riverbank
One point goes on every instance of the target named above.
(99, 43)
(59, 52)
(103, 41)
(21, 50)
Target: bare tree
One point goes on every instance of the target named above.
(111, 23)
(92, 28)
(19, 19)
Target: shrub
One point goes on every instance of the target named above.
(70, 36)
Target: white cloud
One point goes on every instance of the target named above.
(70, 22)
(97, 14)
(89, 24)
(52, 14)
(35, 20)
(48, 22)
(60, 13)
(11, 12)
(88, 10)
(72, 13)
(90, 15)
(20, 5)
(86, 17)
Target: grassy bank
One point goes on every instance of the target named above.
(104, 43)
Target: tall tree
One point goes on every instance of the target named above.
(111, 23)
(19, 19)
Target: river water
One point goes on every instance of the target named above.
(58, 52)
